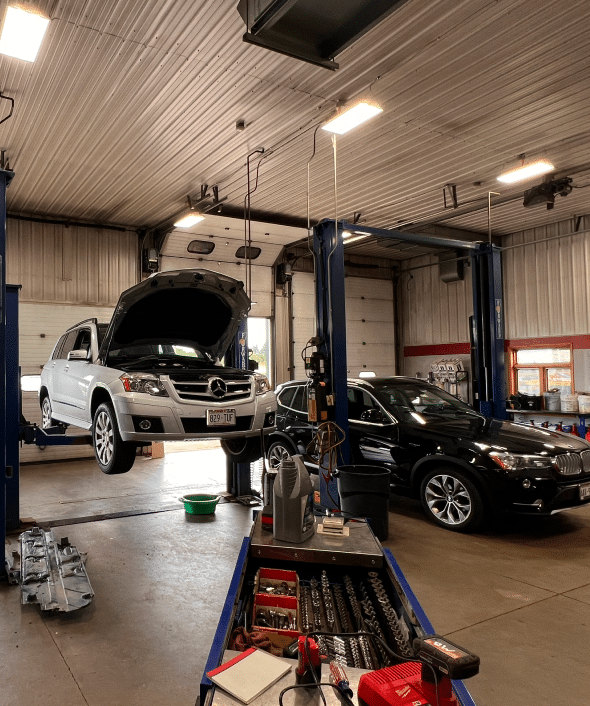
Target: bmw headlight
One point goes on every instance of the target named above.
(143, 382)
(514, 462)
(262, 384)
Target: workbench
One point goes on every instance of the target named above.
(357, 555)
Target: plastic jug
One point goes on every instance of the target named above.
(293, 519)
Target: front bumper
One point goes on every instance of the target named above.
(546, 496)
(176, 421)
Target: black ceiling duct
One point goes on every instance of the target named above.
(312, 30)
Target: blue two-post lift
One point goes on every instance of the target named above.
(487, 322)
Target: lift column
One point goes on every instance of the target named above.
(238, 475)
(331, 330)
(6, 405)
(487, 332)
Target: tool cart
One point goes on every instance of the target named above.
(331, 587)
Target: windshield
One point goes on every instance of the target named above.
(415, 402)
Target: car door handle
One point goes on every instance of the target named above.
(66, 368)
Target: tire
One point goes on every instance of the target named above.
(278, 450)
(242, 449)
(451, 500)
(46, 419)
(113, 455)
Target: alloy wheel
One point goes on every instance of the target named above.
(448, 499)
(276, 455)
(46, 420)
(103, 438)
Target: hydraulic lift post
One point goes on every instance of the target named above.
(7, 406)
(488, 307)
(238, 475)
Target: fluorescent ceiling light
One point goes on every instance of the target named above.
(352, 117)
(349, 237)
(527, 171)
(189, 220)
(22, 33)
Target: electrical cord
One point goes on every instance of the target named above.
(326, 442)
(387, 648)
(316, 683)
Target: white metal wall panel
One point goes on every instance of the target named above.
(262, 282)
(547, 284)
(70, 264)
(370, 344)
(40, 326)
(434, 312)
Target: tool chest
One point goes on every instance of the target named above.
(329, 585)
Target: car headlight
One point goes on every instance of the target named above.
(513, 462)
(143, 382)
(262, 384)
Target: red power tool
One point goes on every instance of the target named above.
(423, 683)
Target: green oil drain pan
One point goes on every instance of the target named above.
(200, 504)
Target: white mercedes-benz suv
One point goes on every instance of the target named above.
(155, 372)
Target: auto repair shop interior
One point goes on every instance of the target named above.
(294, 352)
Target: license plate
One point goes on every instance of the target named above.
(221, 417)
(585, 491)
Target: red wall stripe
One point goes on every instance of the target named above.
(581, 342)
(442, 349)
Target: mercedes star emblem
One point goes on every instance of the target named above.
(217, 387)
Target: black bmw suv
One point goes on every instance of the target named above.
(463, 466)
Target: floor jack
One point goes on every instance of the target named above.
(423, 683)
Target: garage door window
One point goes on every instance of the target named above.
(537, 370)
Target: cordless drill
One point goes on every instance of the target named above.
(421, 683)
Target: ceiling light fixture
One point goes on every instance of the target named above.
(351, 117)
(349, 237)
(22, 33)
(526, 171)
(189, 219)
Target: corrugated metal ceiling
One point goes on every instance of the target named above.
(131, 105)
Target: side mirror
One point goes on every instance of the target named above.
(373, 415)
(252, 365)
(80, 354)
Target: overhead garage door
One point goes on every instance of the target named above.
(40, 326)
(370, 338)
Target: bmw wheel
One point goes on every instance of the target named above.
(277, 451)
(451, 500)
(242, 450)
(113, 455)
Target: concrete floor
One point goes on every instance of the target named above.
(518, 594)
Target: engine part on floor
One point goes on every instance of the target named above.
(293, 518)
(420, 683)
(53, 572)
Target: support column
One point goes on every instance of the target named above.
(488, 331)
(331, 330)
(5, 407)
(238, 475)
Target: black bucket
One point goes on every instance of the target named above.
(364, 492)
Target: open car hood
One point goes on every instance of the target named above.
(195, 307)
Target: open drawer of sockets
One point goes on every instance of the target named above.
(276, 607)
(339, 602)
